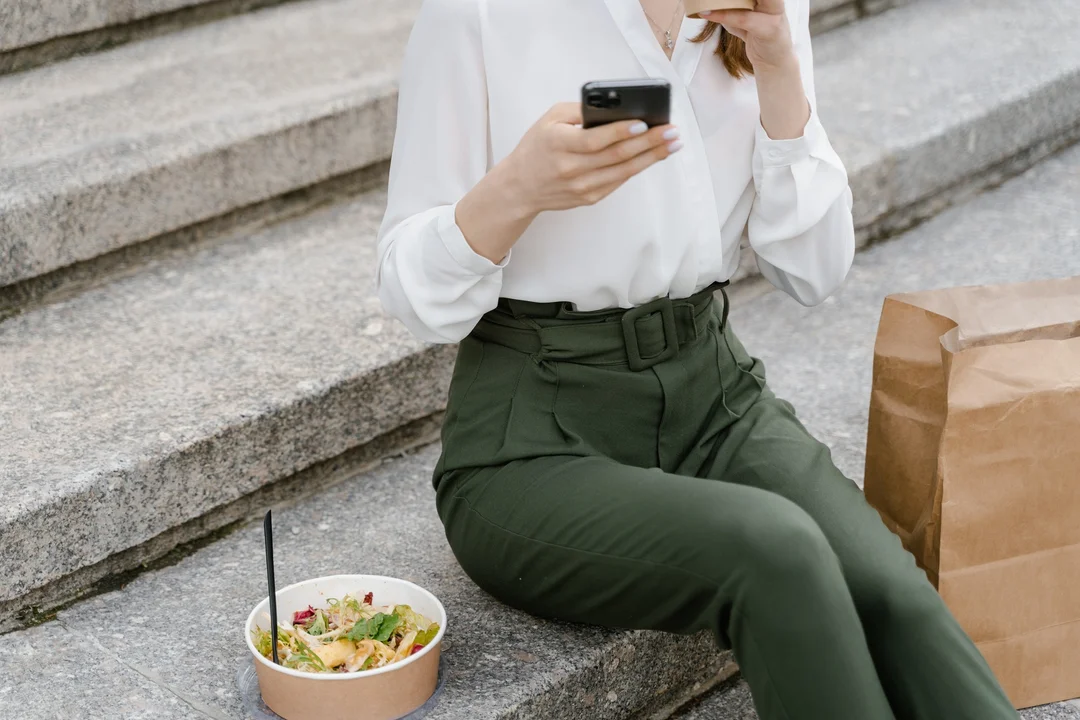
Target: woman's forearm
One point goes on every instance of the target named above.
(493, 216)
(784, 107)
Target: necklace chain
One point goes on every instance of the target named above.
(669, 42)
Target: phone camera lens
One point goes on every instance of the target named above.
(613, 99)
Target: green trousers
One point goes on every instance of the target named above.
(633, 470)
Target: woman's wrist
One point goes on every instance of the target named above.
(495, 213)
(782, 97)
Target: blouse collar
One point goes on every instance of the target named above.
(634, 25)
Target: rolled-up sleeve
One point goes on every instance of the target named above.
(428, 276)
(800, 226)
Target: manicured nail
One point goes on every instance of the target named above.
(638, 128)
(671, 134)
(675, 147)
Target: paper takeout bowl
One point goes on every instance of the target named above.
(694, 7)
(386, 693)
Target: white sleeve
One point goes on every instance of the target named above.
(801, 226)
(427, 274)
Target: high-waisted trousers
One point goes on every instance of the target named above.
(632, 469)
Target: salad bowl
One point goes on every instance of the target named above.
(384, 693)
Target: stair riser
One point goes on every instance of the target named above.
(197, 478)
(60, 230)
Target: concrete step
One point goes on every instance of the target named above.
(120, 652)
(732, 701)
(27, 22)
(104, 151)
(162, 397)
(829, 14)
(37, 32)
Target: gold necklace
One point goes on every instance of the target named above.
(669, 42)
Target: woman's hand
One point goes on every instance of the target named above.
(559, 165)
(765, 30)
(785, 109)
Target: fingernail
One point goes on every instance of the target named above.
(671, 134)
(638, 128)
(675, 147)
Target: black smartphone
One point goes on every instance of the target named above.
(606, 101)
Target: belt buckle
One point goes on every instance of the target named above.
(671, 337)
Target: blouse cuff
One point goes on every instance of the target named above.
(783, 153)
(459, 247)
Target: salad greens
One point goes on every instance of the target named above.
(348, 635)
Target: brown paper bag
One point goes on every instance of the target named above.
(973, 459)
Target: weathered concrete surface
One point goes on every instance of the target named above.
(134, 407)
(733, 702)
(25, 22)
(182, 626)
(932, 93)
(107, 150)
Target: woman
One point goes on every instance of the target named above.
(611, 453)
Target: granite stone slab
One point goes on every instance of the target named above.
(51, 673)
(924, 97)
(733, 702)
(106, 150)
(136, 406)
(500, 663)
(25, 22)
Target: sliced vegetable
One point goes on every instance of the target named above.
(348, 636)
(426, 636)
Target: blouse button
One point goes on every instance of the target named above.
(775, 154)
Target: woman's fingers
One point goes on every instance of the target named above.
(770, 7)
(601, 182)
(566, 113)
(747, 22)
(597, 139)
(630, 148)
(741, 34)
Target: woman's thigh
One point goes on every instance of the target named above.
(589, 540)
(768, 448)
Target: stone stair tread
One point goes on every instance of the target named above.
(733, 702)
(921, 97)
(141, 404)
(502, 663)
(183, 625)
(105, 150)
(25, 22)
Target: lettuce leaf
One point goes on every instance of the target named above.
(380, 628)
(426, 636)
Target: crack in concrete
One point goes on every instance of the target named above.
(204, 711)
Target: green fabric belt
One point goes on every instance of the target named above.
(638, 337)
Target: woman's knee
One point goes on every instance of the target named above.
(783, 544)
(901, 598)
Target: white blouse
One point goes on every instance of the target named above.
(478, 74)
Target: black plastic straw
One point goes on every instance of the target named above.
(268, 541)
